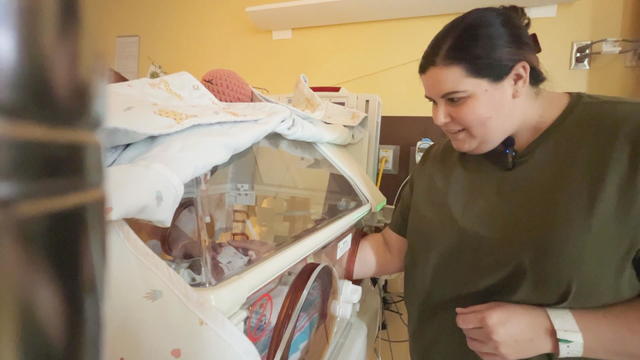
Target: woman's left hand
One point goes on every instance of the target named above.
(505, 331)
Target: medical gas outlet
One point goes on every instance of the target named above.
(388, 158)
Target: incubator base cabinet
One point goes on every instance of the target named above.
(252, 266)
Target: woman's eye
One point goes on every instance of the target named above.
(454, 100)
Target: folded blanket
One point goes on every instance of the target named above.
(161, 133)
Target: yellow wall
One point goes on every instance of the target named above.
(199, 35)
(608, 74)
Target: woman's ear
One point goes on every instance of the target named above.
(519, 78)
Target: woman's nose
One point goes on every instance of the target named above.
(440, 115)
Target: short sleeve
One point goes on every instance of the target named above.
(400, 217)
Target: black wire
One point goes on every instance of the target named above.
(390, 346)
(394, 302)
(394, 295)
(401, 317)
(393, 311)
(387, 329)
(396, 311)
(391, 301)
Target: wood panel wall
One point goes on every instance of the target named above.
(404, 131)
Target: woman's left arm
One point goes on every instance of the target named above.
(500, 331)
(611, 332)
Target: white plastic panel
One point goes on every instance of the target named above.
(306, 13)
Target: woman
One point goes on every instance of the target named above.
(532, 204)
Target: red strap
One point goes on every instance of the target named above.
(326, 88)
(352, 255)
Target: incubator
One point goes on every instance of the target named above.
(252, 265)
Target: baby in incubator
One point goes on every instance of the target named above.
(205, 262)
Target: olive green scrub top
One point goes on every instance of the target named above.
(561, 229)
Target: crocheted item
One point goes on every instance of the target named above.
(227, 86)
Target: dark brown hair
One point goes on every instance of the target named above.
(487, 43)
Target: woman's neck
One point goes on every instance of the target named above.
(540, 108)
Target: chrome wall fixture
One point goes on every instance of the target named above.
(582, 51)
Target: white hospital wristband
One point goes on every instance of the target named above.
(570, 342)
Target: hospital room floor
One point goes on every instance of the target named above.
(391, 343)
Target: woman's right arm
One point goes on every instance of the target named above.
(380, 254)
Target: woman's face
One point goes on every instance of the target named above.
(476, 114)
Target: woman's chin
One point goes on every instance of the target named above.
(462, 146)
(470, 148)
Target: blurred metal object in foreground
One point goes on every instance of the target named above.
(51, 201)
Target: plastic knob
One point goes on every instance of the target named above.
(349, 292)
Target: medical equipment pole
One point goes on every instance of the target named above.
(51, 201)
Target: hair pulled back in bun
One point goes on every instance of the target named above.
(487, 43)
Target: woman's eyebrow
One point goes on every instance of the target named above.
(447, 94)
(452, 93)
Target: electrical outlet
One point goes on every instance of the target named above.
(633, 59)
(391, 153)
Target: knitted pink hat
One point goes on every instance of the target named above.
(227, 86)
